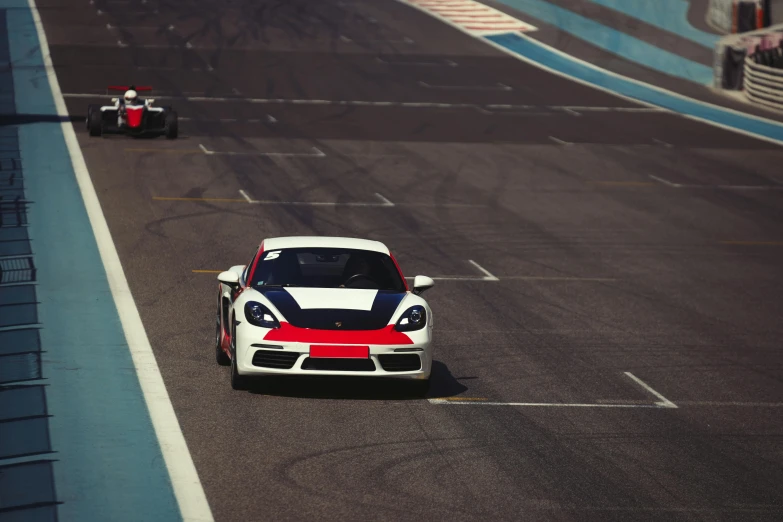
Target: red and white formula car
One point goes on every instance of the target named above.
(132, 115)
(323, 306)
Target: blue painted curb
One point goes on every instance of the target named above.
(539, 53)
(614, 41)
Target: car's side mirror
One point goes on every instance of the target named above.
(422, 283)
(229, 278)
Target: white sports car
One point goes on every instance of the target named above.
(323, 306)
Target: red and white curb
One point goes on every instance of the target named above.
(473, 17)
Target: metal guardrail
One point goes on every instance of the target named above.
(763, 84)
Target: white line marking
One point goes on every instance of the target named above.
(345, 39)
(732, 403)
(185, 481)
(385, 201)
(440, 63)
(724, 187)
(664, 402)
(542, 404)
(487, 275)
(317, 153)
(559, 141)
(235, 91)
(270, 118)
(497, 87)
(320, 203)
(121, 43)
(366, 103)
(661, 142)
(244, 195)
(555, 278)
(664, 181)
(614, 109)
(742, 187)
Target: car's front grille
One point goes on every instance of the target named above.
(279, 360)
(339, 365)
(400, 363)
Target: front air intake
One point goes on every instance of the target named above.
(277, 360)
(400, 363)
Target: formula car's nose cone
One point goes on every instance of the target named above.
(134, 114)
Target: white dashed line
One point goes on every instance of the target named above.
(559, 141)
(663, 401)
(385, 201)
(660, 142)
(497, 87)
(487, 275)
(317, 153)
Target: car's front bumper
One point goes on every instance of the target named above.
(256, 356)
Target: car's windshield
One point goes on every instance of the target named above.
(327, 268)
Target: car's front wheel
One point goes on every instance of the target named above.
(220, 355)
(238, 382)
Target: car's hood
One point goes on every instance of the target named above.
(334, 308)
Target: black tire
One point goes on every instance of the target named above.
(420, 388)
(238, 382)
(171, 126)
(220, 356)
(94, 122)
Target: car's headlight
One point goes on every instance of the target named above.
(413, 319)
(259, 315)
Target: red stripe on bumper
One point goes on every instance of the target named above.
(289, 333)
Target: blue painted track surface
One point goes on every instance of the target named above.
(614, 41)
(669, 15)
(77, 438)
(540, 53)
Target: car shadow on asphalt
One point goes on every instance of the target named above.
(443, 384)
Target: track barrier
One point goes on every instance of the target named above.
(752, 63)
(741, 16)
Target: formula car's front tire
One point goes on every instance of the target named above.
(94, 122)
(171, 126)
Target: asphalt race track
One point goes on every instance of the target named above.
(608, 322)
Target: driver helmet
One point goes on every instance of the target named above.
(130, 96)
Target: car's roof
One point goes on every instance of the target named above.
(279, 243)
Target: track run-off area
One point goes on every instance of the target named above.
(607, 301)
